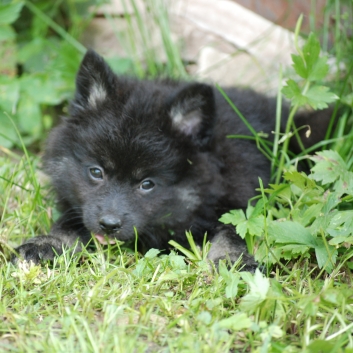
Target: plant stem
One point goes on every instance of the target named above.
(286, 142)
(55, 27)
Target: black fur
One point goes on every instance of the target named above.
(152, 155)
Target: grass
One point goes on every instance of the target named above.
(114, 300)
(102, 301)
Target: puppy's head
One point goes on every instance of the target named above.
(128, 154)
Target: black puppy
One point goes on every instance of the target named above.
(152, 156)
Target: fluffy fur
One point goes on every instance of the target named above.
(152, 155)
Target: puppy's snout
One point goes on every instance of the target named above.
(110, 224)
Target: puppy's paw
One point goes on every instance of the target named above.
(226, 244)
(38, 249)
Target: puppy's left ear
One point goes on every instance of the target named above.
(94, 81)
(192, 111)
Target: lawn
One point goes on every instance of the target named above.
(113, 299)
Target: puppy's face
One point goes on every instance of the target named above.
(116, 207)
(126, 158)
(130, 184)
(120, 183)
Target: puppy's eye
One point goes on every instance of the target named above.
(96, 173)
(147, 185)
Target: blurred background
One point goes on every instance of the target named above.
(229, 42)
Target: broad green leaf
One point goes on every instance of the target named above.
(252, 223)
(256, 225)
(344, 185)
(294, 233)
(310, 213)
(292, 250)
(142, 269)
(262, 254)
(232, 287)
(332, 200)
(223, 271)
(339, 240)
(258, 283)
(293, 92)
(321, 346)
(311, 52)
(205, 317)
(36, 55)
(279, 190)
(29, 116)
(8, 133)
(9, 94)
(301, 180)
(231, 279)
(341, 224)
(233, 217)
(259, 286)
(321, 222)
(291, 233)
(237, 322)
(319, 70)
(329, 155)
(242, 229)
(325, 256)
(272, 331)
(10, 12)
(41, 88)
(299, 66)
(328, 168)
(280, 211)
(253, 226)
(255, 211)
(271, 257)
(168, 276)
(319, 96)
(6, 33)
(177, 262)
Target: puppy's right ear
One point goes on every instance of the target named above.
(95, 81)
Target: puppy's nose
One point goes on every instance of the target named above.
(110, 224)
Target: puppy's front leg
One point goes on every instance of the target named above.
(67, 232)
(227, 244)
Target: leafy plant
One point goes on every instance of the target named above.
(37, 71)
(41, 54)
(303, 217)
(308, 91)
